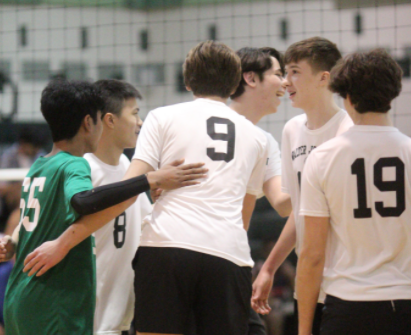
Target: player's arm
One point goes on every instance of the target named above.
(280, 201)
(264, 282)
(310, 269)
(8, 245)
(248, 208)
(169, 177)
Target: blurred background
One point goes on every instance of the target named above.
(145, 42)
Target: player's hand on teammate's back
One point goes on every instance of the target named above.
(176, 175)
(44, 258)
(261, 291)
(7, 248)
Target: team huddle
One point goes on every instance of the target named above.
(93, 254)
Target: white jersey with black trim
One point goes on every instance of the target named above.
(116, 245)
(273, 167)
(362, 181)
(297, 143)
(206, 217)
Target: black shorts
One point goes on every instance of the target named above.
(317, 318)
(341, 317)
(173, 284)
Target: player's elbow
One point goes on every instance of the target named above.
(312, 257)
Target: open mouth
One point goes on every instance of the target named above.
(292, 94)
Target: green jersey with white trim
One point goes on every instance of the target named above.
(61, 301)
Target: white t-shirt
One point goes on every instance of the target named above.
(206, 217)
(116, 245)
(297, 143)
(362, 181)
(273, 167)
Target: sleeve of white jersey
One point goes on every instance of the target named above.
(255, 184)
(274, 159)
(313, 200)
(286, 162)
(148, 146)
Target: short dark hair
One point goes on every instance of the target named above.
(257, 61)
(371, 80)
(115, 93)
(65, 104)
(212, 69)
(320, 53)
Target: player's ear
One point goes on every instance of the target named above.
(324, 78)
(249, 78)
(109, 120)
(87, 122)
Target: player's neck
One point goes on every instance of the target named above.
(214, 98)
(372, 119)
(248, 108)
(321, 111)
(108, 152)
(75, 147)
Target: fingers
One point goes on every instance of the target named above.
(178, 162)
(193, 177)
(35, 268)
(43, 270)
(192, 166)
(29, 257)
(195, 171)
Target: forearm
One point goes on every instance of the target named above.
(280, 201)
(248, 208)
(103, 197)
(282, 248)
(309, 278)
(88, 224)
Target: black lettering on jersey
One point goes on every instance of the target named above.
(397, 186)
(311, 149)
(229, 138)
(300, 151)
(266, 163)
(119, 232)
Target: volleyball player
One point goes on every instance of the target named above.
(258, 95)
(194, 255)
(308, 66)
(117, 241)
(56, 191)
(356, 200)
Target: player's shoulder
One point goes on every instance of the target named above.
(296, 123)
(345, 122)
(270, 138)
(171, 109)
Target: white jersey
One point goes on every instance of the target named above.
(273, 167)
(207, 217)
(116, 245)
(297, 143)
(362, 181)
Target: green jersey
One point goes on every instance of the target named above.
(61, 301)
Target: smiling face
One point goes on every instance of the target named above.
(302, 84)
(128, 124)
(271, 87)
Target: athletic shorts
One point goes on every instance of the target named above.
(173, 284)
(255, 324)
(341, 317)
(317, 318)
